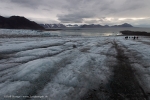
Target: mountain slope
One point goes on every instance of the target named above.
(99, 26)
(123, 25)
(17, 22)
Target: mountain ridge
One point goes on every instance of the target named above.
(49, 26)
(18, 22)
(99, 26)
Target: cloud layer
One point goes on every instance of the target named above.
(135, 12)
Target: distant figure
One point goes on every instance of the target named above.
(74, 46)
(134, 37)
(126, 37)
(137, 37)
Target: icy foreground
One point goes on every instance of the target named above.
(51, 69)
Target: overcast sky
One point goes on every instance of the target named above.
(135, 12)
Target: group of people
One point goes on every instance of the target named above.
(134, 37)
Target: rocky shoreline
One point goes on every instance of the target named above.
(135, 33)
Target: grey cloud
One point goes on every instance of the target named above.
(92, 21)
(76, 17)
(34, 4)
(70, 19)
(53, 4)
(44, 21)
(79, 9)
(132, 5)
(75, 11)
(99, 8)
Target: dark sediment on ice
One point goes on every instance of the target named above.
(123, 85)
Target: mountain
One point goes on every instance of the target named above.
(91, 26)
(72, 25)
(18, 22)
(48, 26)
(99, 26)
(53, 26)
(123, 25)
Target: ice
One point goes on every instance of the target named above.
(31, 70)
(22, 32)
(140, 58)
(11, 89)
(22, 59)
(29, 45)
(51, 67)
(84, 72)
